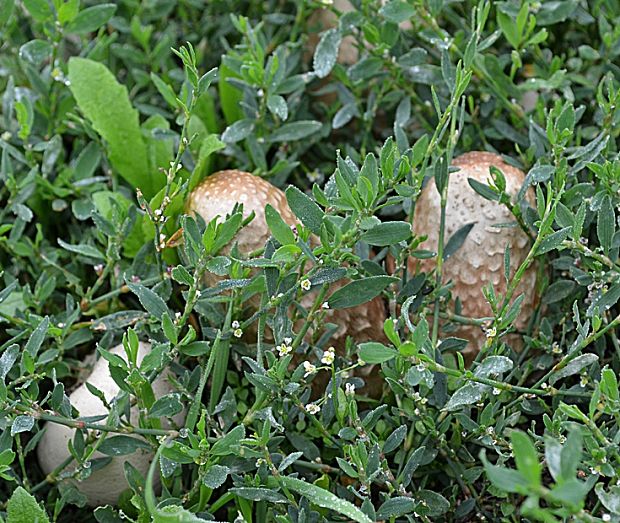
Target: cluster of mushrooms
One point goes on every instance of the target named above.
(480, 260)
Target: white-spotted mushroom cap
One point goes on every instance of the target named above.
(105, 484)
(218, 194)
(480, 260)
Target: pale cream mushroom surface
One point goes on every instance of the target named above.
(104, 485)
(218, 194)
(480, 259)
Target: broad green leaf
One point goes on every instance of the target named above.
(504, 478)
(326, 52)
(290, 132)
(308, 212)
(278, 227)
(152, 302)
(374, 352)
(387, 233)
(526, 457)
(106, 104)
(23, 508)
(397, 11)
(122, 445)
(91, 18)
(325, 499)
(359, 291)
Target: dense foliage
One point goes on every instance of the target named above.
(99, 100)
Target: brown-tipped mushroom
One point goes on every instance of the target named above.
(220, 192)
(105, 484)
(480, 260)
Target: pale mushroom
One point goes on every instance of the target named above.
(104, 485)
(480, 260)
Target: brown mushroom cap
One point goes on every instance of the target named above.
(480, 260)
(218, 194)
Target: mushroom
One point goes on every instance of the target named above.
(480, 260)
(105, 484)
(219, 193)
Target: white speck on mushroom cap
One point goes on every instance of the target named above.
(480, 260)
(218, 194)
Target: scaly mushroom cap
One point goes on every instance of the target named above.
(219, 193)
(104, 485)
(480, 259)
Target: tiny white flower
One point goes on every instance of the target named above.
(305, 284)
(496, 391)
(288, 340)
(60, 325)
(491, 333)
(235, 324)
(349, 389)
(98, 268)
(284, 349)
(328, 356)
(325, 305)
(238, 333)
(606, 517)
(198, 293)
(416, 412)
(544, 386)
(309, 368)
(311, 408)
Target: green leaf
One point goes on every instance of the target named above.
(553, 241)
(509, 28)
(36, 338)
(457, 240)
(396, 507)
(483, 190)
(23, 508)
(278, 227)
(122, 445)
(22, 423)
(91, 18)
(308, 212)
(526, 457)
(106, 104)
(6, 9)
(387, 233)
(326, 52)
(504, 478)
(168, 405)
(606, 223)
(215, 476)
(39, 9)
(294, 131)
(226, 444)
(611, 499)
(573, 367)
(325, 499)
(277, 105)
(151, 301)
(468, 394)
(359, 291)
(397, 11)
(374, 352)
(83, 249)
